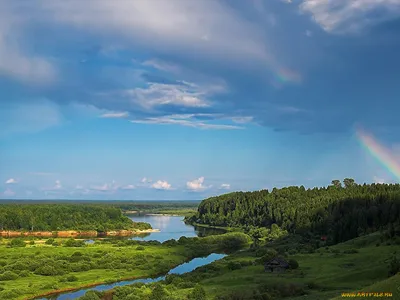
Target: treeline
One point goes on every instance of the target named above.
(340, 213)
(53, 217)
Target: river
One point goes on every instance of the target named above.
(171, 227)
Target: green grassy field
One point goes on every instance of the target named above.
(106, 263)
(353, 266)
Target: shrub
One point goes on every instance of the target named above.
(49, 241)
(91, 295)
(18, 242)
(293, 264)
(47, 270)
(394, 266)
(8, 275)
(71, 278)
(350, 251)
(198, 293)
(74, 243)
(140, 248)
(233, 265)
(24, 273)
(32, 242)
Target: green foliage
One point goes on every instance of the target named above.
(90, 295)
(49, 241)
(293, 264)
(158, 293)
(74, 243)
(141, 248)
(198, 293)
(17, 242)
(8, 275)
(338, 213)
(53, 217)
(394, 266)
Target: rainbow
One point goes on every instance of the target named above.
(382, 154)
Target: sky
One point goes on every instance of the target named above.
(182, 100)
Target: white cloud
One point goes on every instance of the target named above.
(225, 186)
(146, 180)
(159, 94)
(172, 25)
(161, 185)
(378, 180)
(8, 192)
(106, 187)
(344, 16)
(162, 65)
(58, 185)
(14, 62)
(124, 114)
(11, 181)
(184, 120)
(196, 184)
(242, 120)
(128, 187)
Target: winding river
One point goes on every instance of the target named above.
(171, 227)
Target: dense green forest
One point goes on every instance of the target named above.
(338, 212)
(46, 217)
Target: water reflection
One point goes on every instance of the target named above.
(171, 227)
(181, 269)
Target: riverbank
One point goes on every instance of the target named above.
(73, 233)
(164, 215)
(226, 229)
(88, 265)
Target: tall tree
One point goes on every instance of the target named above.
(336, 183)
(348, 182)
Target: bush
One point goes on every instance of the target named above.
(394, 266)
(47, 270)
(24, 273)
(8, 275)
(18, 242)
(140, 248)
(90, 295)
(49, 241)
(198, 293)
(293, 264)
(350, 251)
(71, 278)
(233, 265)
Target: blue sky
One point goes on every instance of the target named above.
(187, 99)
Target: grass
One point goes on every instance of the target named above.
(324, 274)
(154, 259)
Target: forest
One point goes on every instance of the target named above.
(52, 217)
(339, 212)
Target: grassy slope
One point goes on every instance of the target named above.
(330, 273)
(37, 284)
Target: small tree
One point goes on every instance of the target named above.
(394, 266)
(336, 183)
(158, 293)
(17, 243)
(293, 264)
(198, 293)
(348, 182)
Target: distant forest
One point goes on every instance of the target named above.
(341, 212)
(53, 217)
